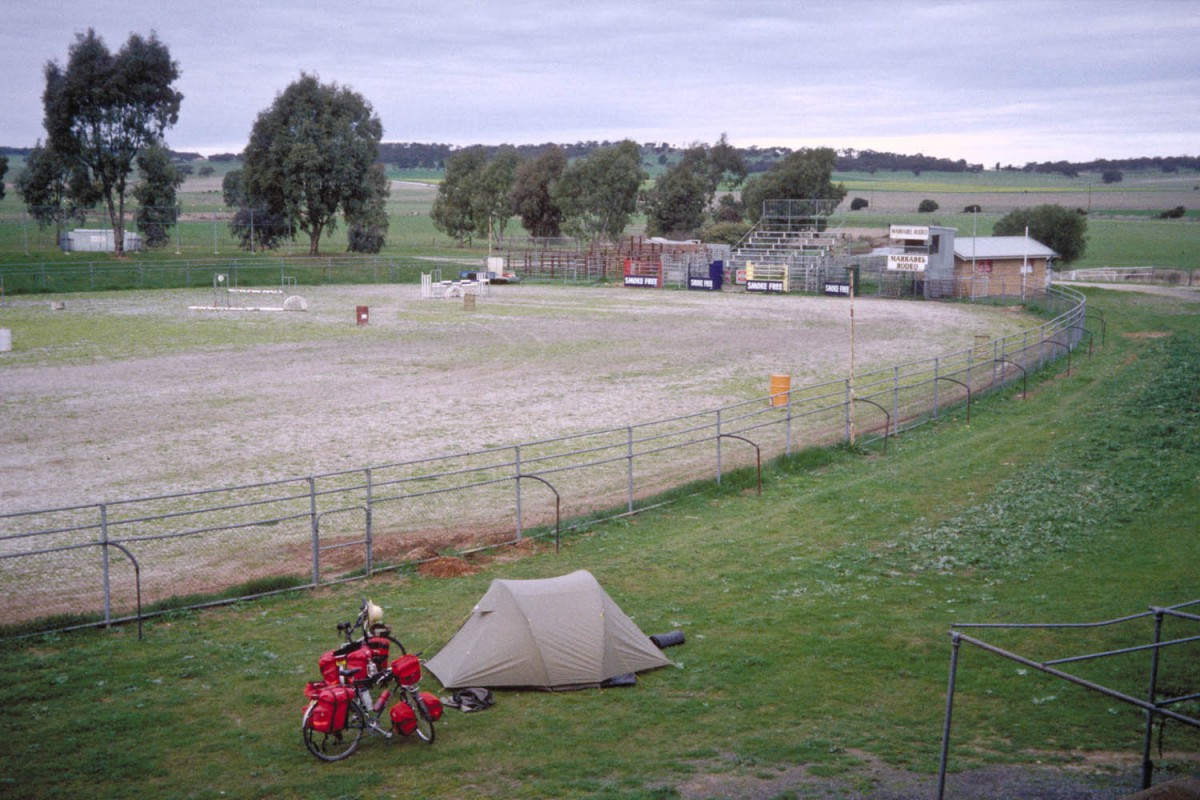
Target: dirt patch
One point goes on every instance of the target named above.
(298, 396)
(1146, 334)
(447, 567)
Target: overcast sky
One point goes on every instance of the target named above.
(991, 81)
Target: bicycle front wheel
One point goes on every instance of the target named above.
(336, 745)
(424, 720)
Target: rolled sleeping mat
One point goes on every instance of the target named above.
(665, 640)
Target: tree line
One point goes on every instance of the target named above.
(593, 197)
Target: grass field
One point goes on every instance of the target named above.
(816, 619)
(1121, 226)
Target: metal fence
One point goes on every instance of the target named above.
(104, 273)
(107, 560)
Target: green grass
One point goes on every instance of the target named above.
(816, 618)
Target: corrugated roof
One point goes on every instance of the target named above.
(1001, 247)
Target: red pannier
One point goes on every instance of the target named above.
(357, 661)
(403, 718)
(313, 688)
(407, 670)
(328, 665)
(329, 714)
(433, 704)
(380, 647)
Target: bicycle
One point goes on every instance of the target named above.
(341, 708)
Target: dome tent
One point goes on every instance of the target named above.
(554, 633)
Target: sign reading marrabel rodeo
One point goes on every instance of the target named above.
(918, 233)
(909, 262)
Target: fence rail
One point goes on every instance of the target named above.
(244, 541)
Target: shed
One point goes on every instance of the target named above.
(86, 240)
(1001, 265)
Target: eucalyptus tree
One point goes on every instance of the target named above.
(532, 192)
(156, 193)
(310, 156)
(55, 189)
(103, 109)
(805, 174)
(598, 194)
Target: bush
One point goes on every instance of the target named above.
(972, 209)
(1173, 213)
(858, 203)
(927, 206)
(724, 232)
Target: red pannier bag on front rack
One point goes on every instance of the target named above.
(404, 720)
(407, 670)
(329, 714)
(433, 704)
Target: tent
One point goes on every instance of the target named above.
(556, 633)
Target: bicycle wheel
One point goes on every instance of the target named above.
(340, 744)
(424, 721)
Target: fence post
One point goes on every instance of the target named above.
(787, 441)
(517, 488)
(107, 589)
(370, 538)
(935, 387)
(629, 469)
(1147, 764)
(718, 447)
(316, 532)
(896, 398)
(846, 411)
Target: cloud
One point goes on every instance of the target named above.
(1013, 81)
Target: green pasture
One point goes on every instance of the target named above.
(1122, 230)
(816, 618)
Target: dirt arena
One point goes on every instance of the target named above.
(200, 399)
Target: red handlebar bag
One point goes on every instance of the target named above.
(329, 715)
(407, 670)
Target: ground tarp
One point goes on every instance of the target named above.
(555, 633)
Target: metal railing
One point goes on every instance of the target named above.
(245, 541)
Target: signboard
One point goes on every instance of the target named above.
(707, 284)
(837, 289)
(907, 262)
(764, 286)
(740, 277)
(642, 280)
(910, 232)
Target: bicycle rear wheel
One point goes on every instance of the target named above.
(339, 744)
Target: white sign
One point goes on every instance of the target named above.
(908, 262)
(917, 232)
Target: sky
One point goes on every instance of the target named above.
(991, 81)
